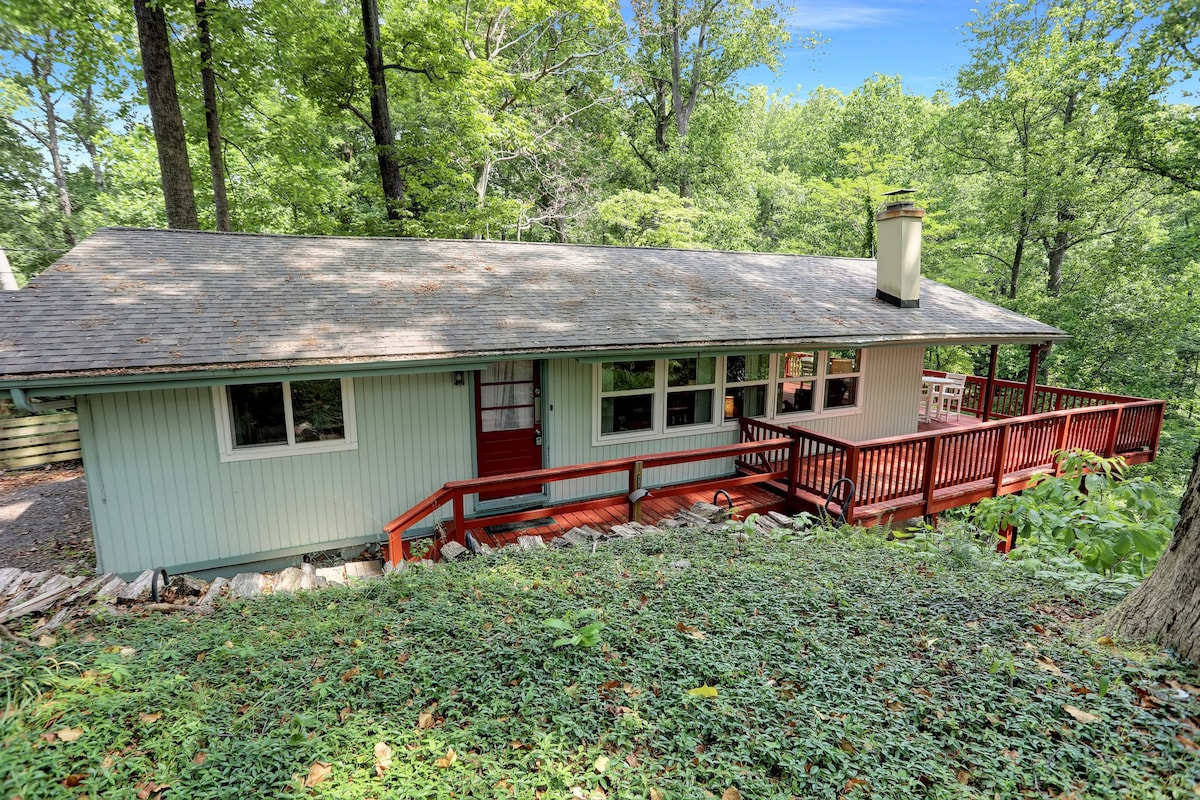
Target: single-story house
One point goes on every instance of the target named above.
(247, 398)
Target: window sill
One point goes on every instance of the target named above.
(282, 451)
(652, 435)
(803, 415)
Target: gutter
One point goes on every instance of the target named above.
(23, 402)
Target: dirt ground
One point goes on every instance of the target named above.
(44, 520)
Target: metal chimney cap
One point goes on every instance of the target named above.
(898, 198)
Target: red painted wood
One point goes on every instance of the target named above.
(506, 451)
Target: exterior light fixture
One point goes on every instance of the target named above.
(460, 378)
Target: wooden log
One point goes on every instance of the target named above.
(169, 607)
(39, 603)
(87, 588)
(27, 586)
(138, 589)
(111, 587)
(55, 622)
(8, 575)
(214, 591)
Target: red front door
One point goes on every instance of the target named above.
(508, 421)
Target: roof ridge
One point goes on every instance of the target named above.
(503, 242)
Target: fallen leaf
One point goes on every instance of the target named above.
(149, 719)
(72, 780)
(425, 720)
(46, 640)
(1185, 741)
(963, 777)
(1079, 715)
(731, 794)
(200, 758)
(895, 705)
(69, 734)
(349, 674)
(1011, 755)
(1048, 665)
(446, 760)
(847, 746)
(1107, 641)
(850, 784)
(601, 764)
(607, 685)
(318, 772)
(703, 691)
(655, 794)
(383, 758)
(345, 713)
(632, 760)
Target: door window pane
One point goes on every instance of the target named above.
(506, 394)
(317, 410)
(620, 376)
(745, 401)
(507, 419)
(506, 371)
(633, 412)
(689, 408)
(257, 414)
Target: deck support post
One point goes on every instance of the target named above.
(931, 460)
(1060, 444)
(1110, 447)
(1031, 380)
(989, 388)
(1001, 452)
(635, 483)
(793, 478)
(460, 520)
(852, 460)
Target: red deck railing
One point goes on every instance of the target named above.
(926, 473)
(456, 492)
(899, 476)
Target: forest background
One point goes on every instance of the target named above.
(1061, 172)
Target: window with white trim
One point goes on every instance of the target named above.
(747, 383)
(281, 418)
(691, 386)
(648, 398)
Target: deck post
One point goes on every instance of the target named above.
(1061, 444)
(989, 388)
(1001, 452)
(930, 477)
(635, 483)
(852, 459)
(793, 478)
(460, 520)
(1031, 380)
(1110, 447)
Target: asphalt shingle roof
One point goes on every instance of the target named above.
(132, 300)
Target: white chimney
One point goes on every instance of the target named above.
(898, 260)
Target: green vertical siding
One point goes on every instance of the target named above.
(160, 495)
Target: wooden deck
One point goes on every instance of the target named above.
(942, 465)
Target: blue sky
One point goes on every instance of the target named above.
(921, 40)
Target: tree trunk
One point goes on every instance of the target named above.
(85, 126)
(1014, 275)
(1166, 607)
(51, 142)
(381, 120)
(165, 115)
(212, 119)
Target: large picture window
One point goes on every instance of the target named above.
(279, 418)
(670, 397)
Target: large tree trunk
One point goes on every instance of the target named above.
(212, 119)
(50, 140)
(381, 120)
(1166, 607)
(85, 126)
(165, 116)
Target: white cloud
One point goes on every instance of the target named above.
(824, 17)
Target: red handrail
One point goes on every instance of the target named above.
(455, 491)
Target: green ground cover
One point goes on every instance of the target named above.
(834, 665)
